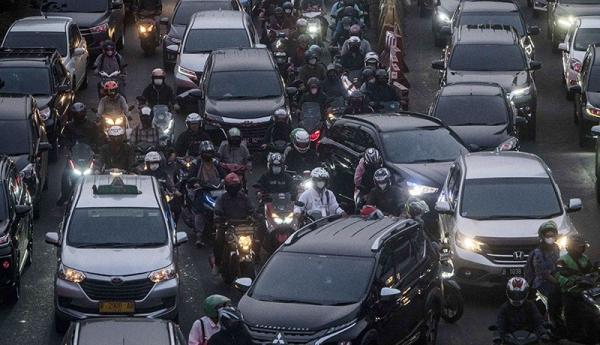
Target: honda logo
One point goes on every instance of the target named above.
(519, 255)
(279, 339)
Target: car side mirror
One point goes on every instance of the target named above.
(389, 294)
(173, 48)
(63, 88)
(22, 210)
(533, 30)
(596, 131)
(78, 51)
(291, 91)
(180, 238)
(45, 146)
(196, 93)
(438, 64)
(446, 30)
(443, 207)
(242, 284)
(563, 47)
(52, 238)
(117, 4)
(574, 205)
(535, 65)
(164, 21)
(260, 45)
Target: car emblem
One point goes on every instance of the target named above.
(247, 123)
(519, 255)
(116, 281)
(279, 339)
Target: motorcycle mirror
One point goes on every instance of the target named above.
(181, 238)
(242, 284)
(291, 91)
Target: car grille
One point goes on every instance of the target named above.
(508, 251)
(263, 335)
(133, 290)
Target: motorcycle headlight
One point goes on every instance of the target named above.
(146, 28)
(70, 275)
(163, 274)
(443, 17)
(119, 121)
(313, 28)
(416, 189)
(468, 243)
(565, 21)
(45, 113)
(562, 242)
(245, 242)
(109, 121)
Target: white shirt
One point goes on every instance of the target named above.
(324, 202)
(202, 330)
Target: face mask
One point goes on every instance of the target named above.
(314, 90)
(312, 61)
(382, 186)
(158, 82)
(110, 52)
(331, 76)
(276, 170)
(320, 184)
(549, 240)
(154, 166)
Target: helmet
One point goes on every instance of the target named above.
(234, 136)
(275, 163)
(316, 50)
(517, 290)
(212, 304)
(346, 23)
(78, 111)
(287, 7)
(367, 74)
(381, 75)
(547, 227)
(356, 99)
(300, 140)
(301, 23)
(372, 157)
(313, 81)
(152, 157)
(146, 111)
(280, 115)
(349, 11)
(278, 11)
(382, 178)
(416, 207)
(303, 40)
(355, 30)
(575, 241)
(207, 149)
(111, 87)
(348, 2)
(158, 73)
(354, 41)
(193, 119)
(230, 318)
(310, 55)
(371, 60)
(116, 132)
(319, 177)
(108, 45)
(233, 183)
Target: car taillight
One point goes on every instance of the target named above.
(6, 264)
(593, 111)
(315, 135)
(575, 65)
(99, 28)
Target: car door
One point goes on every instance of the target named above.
(64, 97)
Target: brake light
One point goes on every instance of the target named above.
(6, 264)
(315, 135)
(575, 65)
(99, 28)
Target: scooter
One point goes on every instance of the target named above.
(317, 24)
(162, 119)
(148, 32)
(105, 77)
(186, 166)
(312, 120)
(453, 303)
(239, 258)
(80, 163)
(279, 215)
(522, 337)
(108, 120)
(201, 199)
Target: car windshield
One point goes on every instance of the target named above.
(207, 40)
(57, 40)
(110, 227)
(487, 57)
(316, 279)
(24, 80)
(14, 138)
(580, 2)
(188, 8)
(509, 198)
(594, 80)
(79, 6)
(472, 110)
(232, 85)
(585, 37)
(494, 18)
(421, 145)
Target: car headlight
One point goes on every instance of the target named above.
(521, 91)
(187, 72)
(99, 28)
(70, 275)
(415, 189)
(443, 17)
(313, 28)
(468, 243)
(565, 21)
(562, 242)
(592, 110)
(87, 171)
(45, 113)
(163, 274)
(245, 242)
(509, 144)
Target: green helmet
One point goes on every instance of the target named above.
(548, 226)
(213, 303)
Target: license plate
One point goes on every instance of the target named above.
(117, 307)
(512, 272)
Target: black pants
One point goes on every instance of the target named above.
(582, 323)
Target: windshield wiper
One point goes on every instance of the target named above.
(284, 300)
(428, 160)
(500, 217)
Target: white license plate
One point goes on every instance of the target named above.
(512, 272)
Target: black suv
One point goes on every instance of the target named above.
(493, 53)
(16, 230)
(23, 138)
(417, 148)
(39, 72)
(346, 281)
(587, 93)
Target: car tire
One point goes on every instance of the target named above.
(584, 128)
(438, 41)
(60, 325)
(530, 5)
(569, 95)
(12, 295)
(429, 330)
(549, 28)
(554, 43)
(453, 306)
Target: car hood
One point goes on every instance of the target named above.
(593, 98)
(84, 20)
(577, 10)
(448, 6)
(42, 101)
(520, 228)
(294, 315)
(119, 262)
(20, 161)
(195, 62)
(508, 80)
(486, 137)
(244, 109)
(428, 174)
(177, 31)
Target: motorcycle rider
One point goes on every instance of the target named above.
(117, 154)
(113, 102)
(364, 173)
(187, 142)
(318, 197)
(158, 92)
(110, 61)
(144, 132)
(381, 90)
(233, 150)
(386, 196)
(233, 331)
(365, 46)
(311, 68)
(154, 166)
(153, 6)
(298, 156)
(205, 327)
(314, 94)
(353, 59)
(357, 104)
(341, 32)
(276, 180)
(298, 49)
(279, 130)
(332, 85)
(372, 61)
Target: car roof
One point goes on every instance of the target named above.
(489, 6)
(218, 19)
(247, 59)
(472, 88)
(353, 236)
(486, 34)
(145, 184)
(41, 24)
(504, 164)
(589, 22)
(14, 107)
(123, 331)
(395, 121)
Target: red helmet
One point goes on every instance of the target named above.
(111, 85)
(370, 212)
(232, 179)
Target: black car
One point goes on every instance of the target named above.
(587, 94)
(480, 113)
(39, 72)
(16, 230)
(247, 103)
(23, 138)
(347, 281)
(493, 53)
(418, 149)
(180, 19)
(562, 13)
(124, 331)
(98, 20)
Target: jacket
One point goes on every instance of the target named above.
(380, 93)
(186, 139)
(308, 71)
(235, 207)
(158, 95)
(352, 61)
(390, 202)
(282, 183)
(298, 162)
(85, 132)
(526, 317)
(277, 132)
(230, 337)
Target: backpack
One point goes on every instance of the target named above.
(529, 269)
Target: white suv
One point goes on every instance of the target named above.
(491, 207)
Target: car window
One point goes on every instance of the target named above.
(593, 84)
(78, 6)
(453, 184)
(487, 57)
(59, 74)
(585, 37)
(467, 110)
(25, 80)
(353, 137)
(386, 270)
(207, 40)
(421, 145)
(73, 38)
(44, 39)
(405, 258)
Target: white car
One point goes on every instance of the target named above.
(583, 32)
(61, 33)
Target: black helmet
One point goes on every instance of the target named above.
(346, 23)
(382, 179)
(230, 318)
(367, 74)
(381, 75)
(354, 42)
(372, 157)
(310, 55)
(207, 149)
(287, 7)
(108, 45)
(348, 2)
(313, 81)
(78, 111)
(350, 11)
(278, 11)
(275, 163)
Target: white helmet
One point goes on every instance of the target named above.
(319, 177)
(152, 157)
(116, 131)
(146, 111)
(193, 118)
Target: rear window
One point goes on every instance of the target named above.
(80, 6)
(487, 57)
(207, 40)
(187, 8)
(472, 110)
(512, 19)
(25, 80)
(56, 40)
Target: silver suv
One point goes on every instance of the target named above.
(491, 207)
(117, 252)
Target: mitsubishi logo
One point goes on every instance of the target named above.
(519, 255)
(279, 339)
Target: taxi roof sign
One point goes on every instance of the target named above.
(116, 187)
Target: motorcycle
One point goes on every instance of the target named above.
(201, 199)
(80, 163)
(352, 80)
(238, 250)
(521, 337)
(311, 120)
(148, 32)
(279, 215)
(452, 299)
(317, 23)
(108, 120)
(238, 169)
(162, 119)
(186, 166)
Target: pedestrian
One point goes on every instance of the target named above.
(206, 326)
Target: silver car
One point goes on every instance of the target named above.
(117, 252)
(491, 207)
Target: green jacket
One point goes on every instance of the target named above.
(567, 271)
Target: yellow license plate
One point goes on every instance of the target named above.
(117, 307)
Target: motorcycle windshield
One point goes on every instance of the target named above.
(162, 117)
(281, 201)
(311, 116)
(82, 154)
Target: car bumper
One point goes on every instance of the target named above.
(72, 303)
(7, 275)
(474, 269)
(253, 130)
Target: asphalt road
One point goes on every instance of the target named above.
(30, 321)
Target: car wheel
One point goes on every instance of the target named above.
(12, 295)
(555, 42)
(549, 28)
(439, 42)
(453, 306)
(569, 95)
(429, 330)
(61, 325)
(530, 5)
(584, 129)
